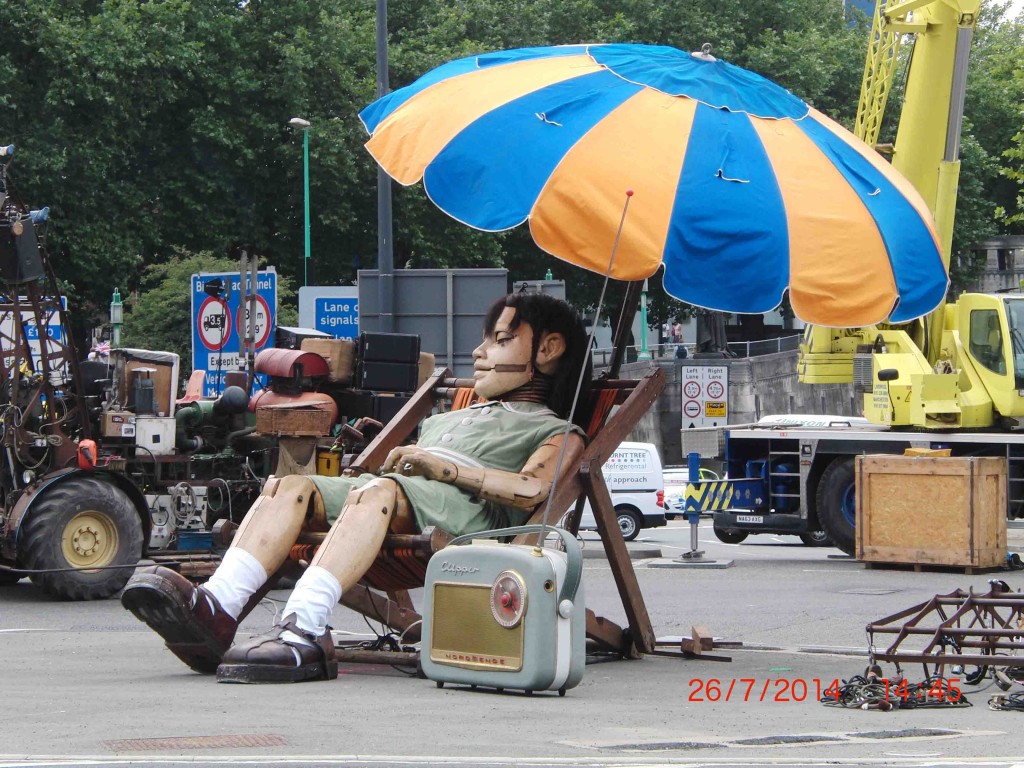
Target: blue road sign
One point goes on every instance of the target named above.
(51, 327)
(337, 316)
(219, 321)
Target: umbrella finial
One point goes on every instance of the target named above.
(704, 54)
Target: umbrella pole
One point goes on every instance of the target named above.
(626, 314)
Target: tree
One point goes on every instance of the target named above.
(151, 127)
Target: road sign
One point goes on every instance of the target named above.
(213, 323)
(337, 316)
(260, 321)
(218, 321)
(51, 328)
(333, 309)
(705, 395)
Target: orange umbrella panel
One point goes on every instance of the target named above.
(740, 190)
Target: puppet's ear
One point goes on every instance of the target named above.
(550, 349)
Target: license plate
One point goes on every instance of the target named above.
(755, 519)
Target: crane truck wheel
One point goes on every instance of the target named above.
(83, 523)
(816, 539)
(730, 537)
(836, 503)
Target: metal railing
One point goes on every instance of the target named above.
(662, 352)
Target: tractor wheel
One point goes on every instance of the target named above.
(837, 504)
(82, 524)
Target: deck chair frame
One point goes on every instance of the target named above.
(580, 482)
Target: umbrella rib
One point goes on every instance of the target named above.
(583, 369)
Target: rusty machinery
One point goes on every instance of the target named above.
(973, 632)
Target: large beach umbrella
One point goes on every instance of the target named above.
(740, 189)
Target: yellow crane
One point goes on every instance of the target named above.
(963, 365)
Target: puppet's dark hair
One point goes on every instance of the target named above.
(546, 314)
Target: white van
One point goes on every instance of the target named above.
(634, 477)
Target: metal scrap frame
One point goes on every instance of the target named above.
(992, 624)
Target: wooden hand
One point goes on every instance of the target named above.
(410, 460)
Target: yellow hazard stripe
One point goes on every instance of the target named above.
(709, 496)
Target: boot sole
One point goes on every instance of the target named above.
(159, 606)
(269, 673)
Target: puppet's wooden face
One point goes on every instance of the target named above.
(502, 361)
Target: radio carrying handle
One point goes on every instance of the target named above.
(573, 555)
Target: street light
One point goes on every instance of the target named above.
(298, 122)
(644, 353)
(116, 318)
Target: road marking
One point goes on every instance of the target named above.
(41, 761)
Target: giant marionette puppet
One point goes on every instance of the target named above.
(471, 470)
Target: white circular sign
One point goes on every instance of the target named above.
(691, 389)
(261, 320)
(715, 390)
(214, 323)
(692, 409)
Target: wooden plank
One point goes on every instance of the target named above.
(610, 636)
(399, 428)
(367, 656)
(624, 324)
(616, 428)
(402, 599)
(700, 640)
(618, 559)
(379, 608)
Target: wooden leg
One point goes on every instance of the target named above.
(610, 636)
(618, 558)
(379, 608)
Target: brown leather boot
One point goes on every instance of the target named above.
(269, 658)
(190, 620)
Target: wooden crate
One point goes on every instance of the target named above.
(293, 421)
(931, 511)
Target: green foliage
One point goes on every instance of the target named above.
(160, 127)
(995, 109)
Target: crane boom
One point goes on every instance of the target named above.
(926, 150)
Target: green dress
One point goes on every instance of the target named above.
(494, 435)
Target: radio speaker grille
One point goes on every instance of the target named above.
(464, 633)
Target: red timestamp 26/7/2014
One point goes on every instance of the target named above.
(781, 690)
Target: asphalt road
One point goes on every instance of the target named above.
(84, 683)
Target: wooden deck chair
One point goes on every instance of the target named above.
(616, 406)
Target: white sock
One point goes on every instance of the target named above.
(236, 579)
(312, 602)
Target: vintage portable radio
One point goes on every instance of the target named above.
(505, 615)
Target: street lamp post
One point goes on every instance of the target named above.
(116, 318)
(644, 353)
(298, 122)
